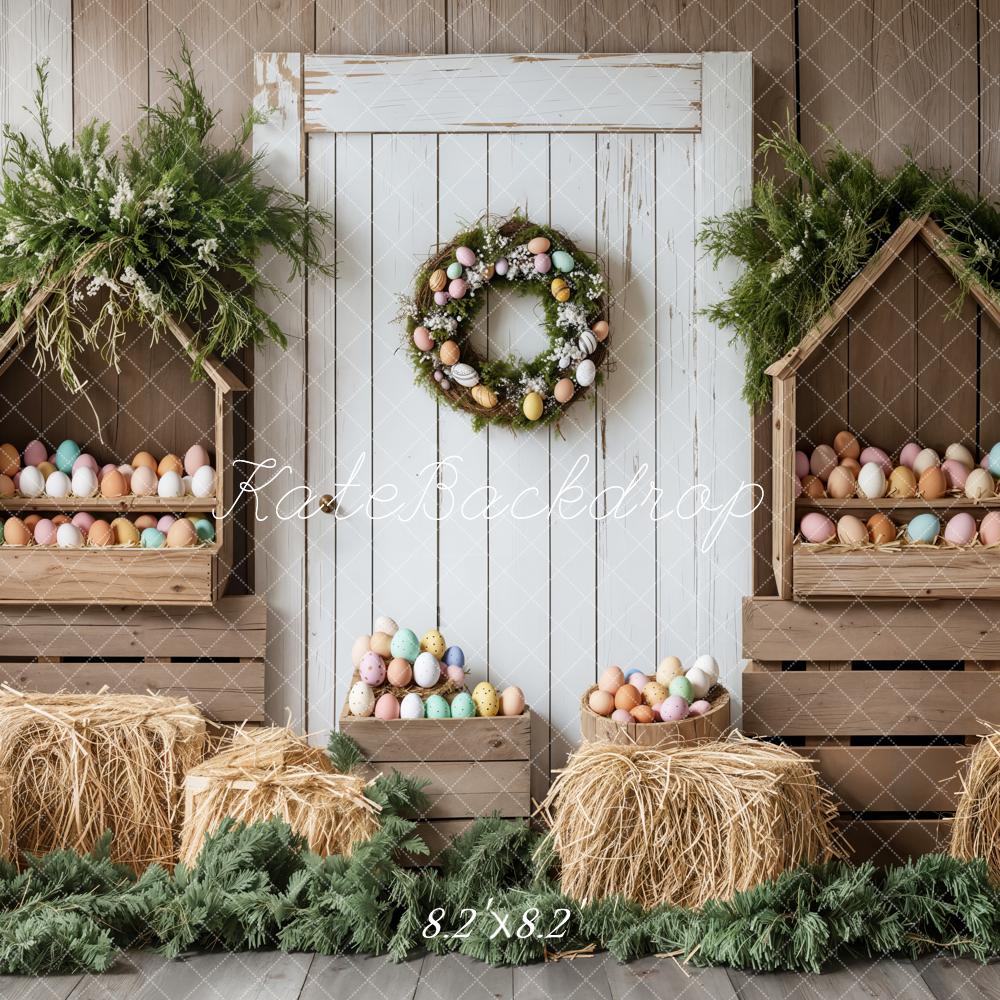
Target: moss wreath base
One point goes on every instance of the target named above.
(450, 290)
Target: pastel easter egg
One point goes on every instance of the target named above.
(126, 533)
(994, 459)
(170, 486)
(361, 700)
(933, 483)
(194, 458)
(879, 457)
(381, 643)
(405, 644)
(543, 263)
(372, 669)
(669, 668)
(563, 261)
(674, 709)
(426, 670)
(627, 697)
(927, 459)
(902, 483)
(456, 675)
(449, 353)
(655, 693)
(152, 538)
(454, 657)
(586, 372)
(58, 485)
(817, 528)
(682, 688)
(485, 696)
(564, 390)
(533, 406)
(989, 528)
(908, 454)
(163, 524)
(84, 482)
(462, 706)
(83, 521)
(960, 529)
(924, 528)
(708, 665)
(822, 462)
(636, 678)
(501, 266)
(144, 521)
(422, 338)
(466, 256)
(699, 707)
(441, 298)
(700, 682)
(86, 461)
(66, 454)
(387, 707)
(399, 673)
(454, 270)
(621, 715)
(512, 701)
(359, 647)
(44, 532)
(412, 706)
(438, 707)
(143, 458)
(956, 473)
(959, 453)
(841, 485)
(611, 680)
(31, 483)
(979, 485)
(433, 643)
(385, 624)
(601, 702)
(203, 482)
(126, 473)
(144, 482)
(540, 244)
(457, 288)
(35, 452)
(182, 534)
(801, 464)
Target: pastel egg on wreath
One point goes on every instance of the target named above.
(449, 353)
(445, 384)
(457, 288)
(372, 669)
(144, 482)
(587, 342)
(441, 298)
(542, 263)
(31, 483)
(989, 528)
(399, 673)
(462, 706)
(923, 529)
(412, 706)
(881, 531)
(675, 709)
(540, 244)
(44, 532)
(564, 390)
(466, 256)
(465, 375)
(437, 280)
(84, 482)
(501, 266)
(851, 530)
(586, 372)
(960, 529)
(956, 473)
(387, 707)
(560, 290)
(66, 454)
(58, 485)
(34, 452)
(484, 694)
(438, 707)
(484, 396)
(426, 670)
(563, 261)
(454, 657)
(817, 528)
(405, 644)
(533, 406)
(454, 270)
(878, 456)
(433, 643)
(979, 485)
(902, 483)
(600, 329)
(422, 338)
(361, 699)
(908, 453)
(152, 538)
(438, 374)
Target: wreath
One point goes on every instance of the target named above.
(451, 289)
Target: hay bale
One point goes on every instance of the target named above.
(685, 823)
(81, 764)
(272, 772)
(975, 831)
(6, 821)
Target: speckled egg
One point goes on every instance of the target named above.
(682, 688)
(669, 668)
(909, 453)
(601, 702)
(817, 528)
(438, 708)
(989, 528)
(881, 530)
(611, 679)
(385, 624)
(361, 699)
(923, 528)
(674, 709)
(654, 693)
(462, 706)
(879, 457)
(381, 643)
(426, 670)
(387, 707)
(372, 669)
(902, 483)
(66, 454)
(708, 665)
(979, 485)
(851, 530)
(454, 657)
(871, 481)
(485, 696)
(960, 529)
(433, 643)
(512, 701)
(412, 706)
(822, 462)
(405, 644)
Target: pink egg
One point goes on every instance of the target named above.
(620, 715)
(372, 669)
(816, 527)
(165, 522)
(543, 263)
(83, 521)
(879, 456)
(908, 453)
(441, 298)
(387, 707)
(34, 453)
(422, 338)
(86, 461)
(456, 675)
(105, 469)
(801, 464)
(457, 288)
(955, 473)
(144, 482)
(961, 529)
(674, 709)
(656, 710)
(195, 458)
(989, 528)
(466, 256)
(45, 532)
(699, 707)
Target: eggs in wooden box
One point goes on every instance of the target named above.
(152, 538)
(16, 532)
(7, 488)
(31, 482)
(669, 668)
(169, 463)
(979, 485)
(611, 679)
(511, 701)
(955, 473)
(44, 532)
(902, 483)
(817, 528)
(405, 644)
(58, 485)
(841, 485)
(84, 482)
(113, 485)
(927, 459)
(372, 669)
(812, 487)
(69, 536)
(933, 483)
(143, 460)
(387, 707)
(871, 481)
(195, 458)
(601, 702)
(35, 452)
(959, 453)
(462, 706)
(399, 673)
(126, 533)
(203, 482)
(100, 534)
(359, 647)
(822, 462)
(170, 486)
(878, 456)
(182, 534)
(426, 670)
(846, 445)
(361, 699)
(924, 528)
(437, 707)
(83, 521)
(66, 454)
(412, 706)
(908, 454)
(433, 643)
(485, 696)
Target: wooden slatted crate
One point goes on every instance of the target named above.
(214, 656)
(474, 767)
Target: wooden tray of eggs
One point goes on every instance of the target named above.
(921, 525)
(75, 532)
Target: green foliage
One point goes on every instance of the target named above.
(344, 753)
(801, 242)
(171, 224)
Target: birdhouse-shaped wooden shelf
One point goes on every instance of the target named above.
(901, 358)
(149, 405)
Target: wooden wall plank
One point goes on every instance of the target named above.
(989, 382)
(822, 391)
(110, 63)
(989, 107)
(514, 26)
(389, 26)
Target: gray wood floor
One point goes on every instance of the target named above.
(275, 976)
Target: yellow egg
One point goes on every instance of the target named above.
(533, 406)
(484, 396)
(433, 643)
(560, 290)
(485, 697)
(653, 693)
(46, 469)
(902, 483)
(124, 531)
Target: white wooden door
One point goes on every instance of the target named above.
(627, 154)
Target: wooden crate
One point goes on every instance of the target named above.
(150, 405)
(892, 361)
(474, 767)
(891, 743)
(694, 729)
(214, 656)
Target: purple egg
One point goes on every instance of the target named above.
(955, 473)
(879, 457)
(543, 263)
(620, 715)
(83, 521)
(445, 384)
(165, 522)
(86, 461)
(34, 453)
(457, 288)
(438, 374)
(501, 266)
(465, 256)
(372, 669)
(454, 656)
(801, 464)
(441, 298)
(674, 709)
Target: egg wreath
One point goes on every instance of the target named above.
(450, 290)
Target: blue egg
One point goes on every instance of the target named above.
(152, 538)
(454, 269)
(437, 707)
(563, 261)
(994, 460)
(205, 529)
(66, 454)
(453, 657)
(923, 528)
(462, 706)
(405, 644)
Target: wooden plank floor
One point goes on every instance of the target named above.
(276, 976)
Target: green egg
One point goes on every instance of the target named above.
(437, 708)
(681, 686)
(462, 706)
(405, 644)
(205, 529)
(66, 454)
(563, 261)
(454, 270)
(152, 538)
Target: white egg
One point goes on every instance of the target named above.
(84, 482)
(385, 624)
(707, 665)
(586, 372)
(927, 459)
(58, 485)
(959, 453)
(361, 700)
(31, 482)
(871, 481)
(412, 706)
(700, 681)
(69, 536)
(170, 485)
(203, 483)
(426, 670)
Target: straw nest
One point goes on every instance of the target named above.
(975, 831)
(685, 823)
(272, 772)
(81, 764)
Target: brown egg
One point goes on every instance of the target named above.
(6, 485)
(823, 461)
(627, 697)
(144, 460)
(144, 521)
(449, 353)
(60, 519)
(881, 530)
(611, 680)
(100, 533)
(564, 390)
(381, 643)
(851, 530)
(113, 485)
(437, 280)
(31, 520)
(813, 487)
(933, 483)
(852, 465)
(16, 532)
(10, 460)
(845, 444)
(841, 484)
(181, 534)
(601, 330)
(170, 463)
(399, 673)
(601, 702)
(902, 483)
(642, 713)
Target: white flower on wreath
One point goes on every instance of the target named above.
(571, 316)
(533, 384)
(160, 202)
(148, 299)
(123, 196)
